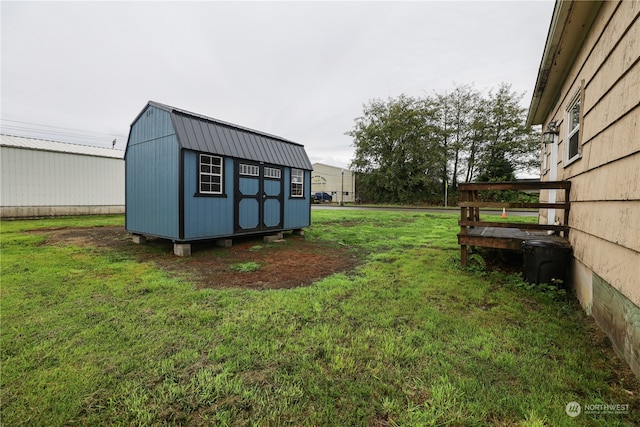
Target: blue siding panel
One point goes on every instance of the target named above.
(206, 217)
(297, 210)
(249, 186)
(272, 187)
(248, 214)
(153, 123)
(271, 212)
(152, 176)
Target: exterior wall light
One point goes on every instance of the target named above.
(548, 136)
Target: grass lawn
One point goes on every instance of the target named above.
(90, 336)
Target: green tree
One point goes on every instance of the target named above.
(476, 140)
(456, 115)
(397, 154)
(508, 146)
(407, 149)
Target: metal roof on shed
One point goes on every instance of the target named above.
(201, 133)
(58, 147)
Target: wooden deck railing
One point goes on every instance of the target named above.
(493, 234)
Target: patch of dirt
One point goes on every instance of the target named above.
(291, 263)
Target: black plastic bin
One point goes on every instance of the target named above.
(546, 261)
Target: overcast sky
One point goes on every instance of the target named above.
(299, 70)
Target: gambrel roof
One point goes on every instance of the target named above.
(205, 134)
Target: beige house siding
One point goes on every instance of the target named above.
(614, 263)
(330, 180)
(603, 69)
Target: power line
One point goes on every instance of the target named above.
(59, 127)
(52, 133)
(79, 136)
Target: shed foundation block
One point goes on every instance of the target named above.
(225, 243)
(274, 237)
(182, 249)
(139, 239)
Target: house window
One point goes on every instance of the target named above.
(573, 128)
(210, 176)
(274, 173)
(297, 183)
(249, 170)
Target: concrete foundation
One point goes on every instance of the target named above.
(619, 318)
(225, 243)
(182, 249)
(139, 239)
(274, 237)
(45, 211)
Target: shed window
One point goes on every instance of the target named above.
(249, 170)
(210, 175)
(274, 173)
(573, 128)
(297, 183)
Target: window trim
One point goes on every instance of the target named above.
(571, 131)
(200, 174)
(301, 184)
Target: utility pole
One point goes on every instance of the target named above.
(342, 192)
(446, 193)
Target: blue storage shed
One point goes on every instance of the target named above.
(190, 177)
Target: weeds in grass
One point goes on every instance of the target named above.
(245, 267)
(476, 263)
(554, 290)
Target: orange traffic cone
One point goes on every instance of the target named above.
(504, 213)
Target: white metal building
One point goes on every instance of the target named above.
(338, 182)
(46, 178)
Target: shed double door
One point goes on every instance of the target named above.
(259, 201)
